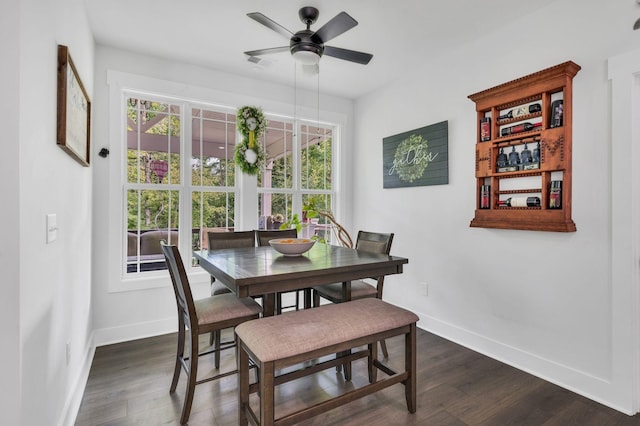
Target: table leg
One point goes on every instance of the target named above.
(268, 304)
(307, 298)
(346, 296)
(346, 291)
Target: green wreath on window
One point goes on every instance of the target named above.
(249, 155)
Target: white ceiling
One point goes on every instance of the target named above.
(400, 34)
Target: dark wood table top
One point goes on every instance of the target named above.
(258, 271)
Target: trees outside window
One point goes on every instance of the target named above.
(297, 169)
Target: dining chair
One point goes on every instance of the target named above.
(263, 237)
(371, 242)
(198, 317)
(224, 240)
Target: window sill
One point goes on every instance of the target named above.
(156, 279)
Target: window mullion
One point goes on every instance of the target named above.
(185, 191)
(296, 201)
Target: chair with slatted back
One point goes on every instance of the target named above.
(371, 242)
(263, 237)
(224, 240)
(198, 317)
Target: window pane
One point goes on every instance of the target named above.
(273, 208)
(319, 225)
(153, 142)
(212, 147)
(277, 142)
(152, 217)
(211, 211)
(315, 167)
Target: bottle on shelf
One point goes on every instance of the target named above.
(555, 194)
(502, 158)
(520, 202)
(526, 155)
(485, 196)
(520, 111)
(514, 157)
(557, 113)
(519, 128)
(536, 153)
(485, 129)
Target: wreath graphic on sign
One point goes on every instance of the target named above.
(249, 155)
(411, 158)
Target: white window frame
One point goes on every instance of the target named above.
(246, 191)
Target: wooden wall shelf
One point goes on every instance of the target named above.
(544, 101)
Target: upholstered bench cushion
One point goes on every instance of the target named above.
(299, 332)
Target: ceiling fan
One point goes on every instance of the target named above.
(308, 46)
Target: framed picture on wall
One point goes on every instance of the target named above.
(74, 110)
(419, 157)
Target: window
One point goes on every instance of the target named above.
(276, 184)
(178, 191)
(212, 173)
(296, 173)
(152, 188)
(316, 175)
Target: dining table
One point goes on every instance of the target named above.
(262, 271)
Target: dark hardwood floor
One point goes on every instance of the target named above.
(129, 385)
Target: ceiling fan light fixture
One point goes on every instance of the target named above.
(308, 46)
(306, 57)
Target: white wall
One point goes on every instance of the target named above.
(540, 301)
(10, 211)
(54, 279)
(125, 315)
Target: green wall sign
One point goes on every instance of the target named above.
(418, 157)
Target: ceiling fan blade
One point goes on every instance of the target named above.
(340, 23)
(270, 23)
(348, 55)
(261, 52)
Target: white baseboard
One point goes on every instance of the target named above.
(74, 398)
(595, 388)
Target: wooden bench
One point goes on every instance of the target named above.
(273, 343)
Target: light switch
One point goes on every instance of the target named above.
(52, 228)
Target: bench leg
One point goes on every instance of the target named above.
(267, 400)
(346, 366)
(373, 356)
(410, 366)
(218, 346)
